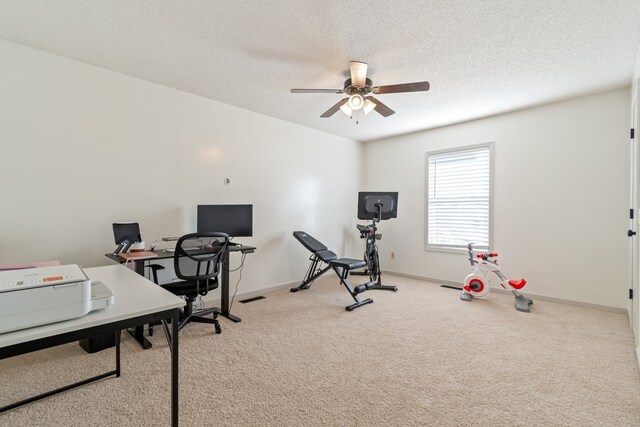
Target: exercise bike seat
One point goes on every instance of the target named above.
(347, 263)
(517, 284)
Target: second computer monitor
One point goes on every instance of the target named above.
(235, 220)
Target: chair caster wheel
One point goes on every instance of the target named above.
(218, 329)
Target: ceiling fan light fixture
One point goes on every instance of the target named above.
(358, 90)
(368, 106)
(356, 102)
(346, 109)
(359, 73)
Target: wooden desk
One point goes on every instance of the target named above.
(138, 266)
(136, 301)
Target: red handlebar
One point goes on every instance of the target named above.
(487, 255)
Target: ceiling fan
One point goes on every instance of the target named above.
(359, 88)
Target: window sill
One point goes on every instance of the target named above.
(445, 249)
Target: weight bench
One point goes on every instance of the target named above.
(322, 259)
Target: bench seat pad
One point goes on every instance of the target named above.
(326, 255)
(347, 263)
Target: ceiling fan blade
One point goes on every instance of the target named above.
(359, 73)
(403, 87)
(317, 91)
(380, 107)
(331, 111)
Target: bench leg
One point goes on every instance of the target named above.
(358, 304)
(379, 287)
(342, 274)
(315, 270)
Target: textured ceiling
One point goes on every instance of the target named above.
(481, 57)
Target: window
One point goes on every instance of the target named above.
(459, 198)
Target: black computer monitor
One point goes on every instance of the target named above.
(235, 220)
(369, 202)
(126, 232)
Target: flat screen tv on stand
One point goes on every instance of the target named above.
(235, 220)
(377, 206)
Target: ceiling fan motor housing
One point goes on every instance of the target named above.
(350, 89)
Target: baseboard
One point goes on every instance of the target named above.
(424, 278)
(504, 291)
(213, 301)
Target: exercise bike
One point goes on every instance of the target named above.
(374, 211)
(371, 256)
(476, 284)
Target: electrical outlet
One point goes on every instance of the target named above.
(393, 255)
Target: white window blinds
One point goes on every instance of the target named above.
(459, 198)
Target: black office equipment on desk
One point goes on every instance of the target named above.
(125, 234)
(234, 220)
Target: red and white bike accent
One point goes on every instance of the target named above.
(476, 284)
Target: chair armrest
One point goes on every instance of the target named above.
(154, 271)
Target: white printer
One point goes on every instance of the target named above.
(37, 296)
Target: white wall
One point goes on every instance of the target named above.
(82, 147)
(636, 74)
(560, 197)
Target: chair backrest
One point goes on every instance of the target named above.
(198, 256)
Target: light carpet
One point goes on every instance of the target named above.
(416, 357)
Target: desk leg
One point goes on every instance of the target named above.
(115, 372)
(174, 367)
(139, 266)
(118, 334)
(138, 331)
(224, 291)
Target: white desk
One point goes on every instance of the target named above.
(136, 301)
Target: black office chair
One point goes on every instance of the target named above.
(197, 262)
